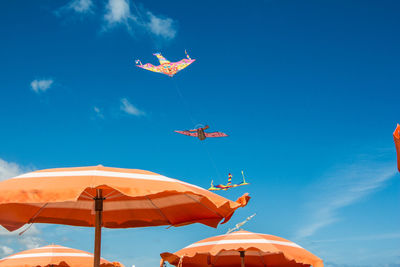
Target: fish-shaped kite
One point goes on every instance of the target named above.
(396, 137)
(228, 185)
(166, 67)
(201, 134)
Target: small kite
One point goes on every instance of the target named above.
(228, 185)
(396, 137)
(166, 67)
(201, 134)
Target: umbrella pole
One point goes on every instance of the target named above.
(98, 206)
(242, 258)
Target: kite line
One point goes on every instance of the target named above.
(171, 69)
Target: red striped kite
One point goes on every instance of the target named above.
(201, 134)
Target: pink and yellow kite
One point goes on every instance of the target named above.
(166, 67)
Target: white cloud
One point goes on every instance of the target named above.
(4, 251)
(29, 239)
(41, 85)
(98, 112)
(162, 27)
(344, 187)
(9, 169)
(81, 6)
(127, 107)
(30, 242)
(118, 11)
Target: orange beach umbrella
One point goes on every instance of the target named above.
(53, 255)
(108, 197)
(243, 248)
(396, 136)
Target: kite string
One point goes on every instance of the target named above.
(211, 159)
(184, 101)
(194, 123)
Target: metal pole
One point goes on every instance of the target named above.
(242, 258)
(98, 207)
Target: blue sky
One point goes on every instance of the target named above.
(307, 91)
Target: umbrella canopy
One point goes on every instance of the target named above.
(396, 136)
(52, 255)
(108, 197)
(243, 248)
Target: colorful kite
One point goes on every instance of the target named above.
(201, 134)
(228, 185)
(166, 67)
(396, 136)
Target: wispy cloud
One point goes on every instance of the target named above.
(125, 13)
(43, 85)
(4, 251)
(385, 236)
(119, 12)
(80, 6)
(343, 187)
(162, 27)
(98, 112)
(130, 109)
(10, 169)
(362, 258)
(29, 239)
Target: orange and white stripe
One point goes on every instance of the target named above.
(52, 255)
(260, 250)
(133, 198)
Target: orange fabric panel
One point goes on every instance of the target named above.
(52, 255)
(396, 137)
(133, 198)
(260, 250)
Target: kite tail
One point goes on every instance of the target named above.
(229, 179)
(187, 55)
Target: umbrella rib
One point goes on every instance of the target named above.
(87, 194)
(33, 218)
(108, 196)
(203, 205)
(37, 213)
(159, 211)
(86, 197)
(262, 258)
